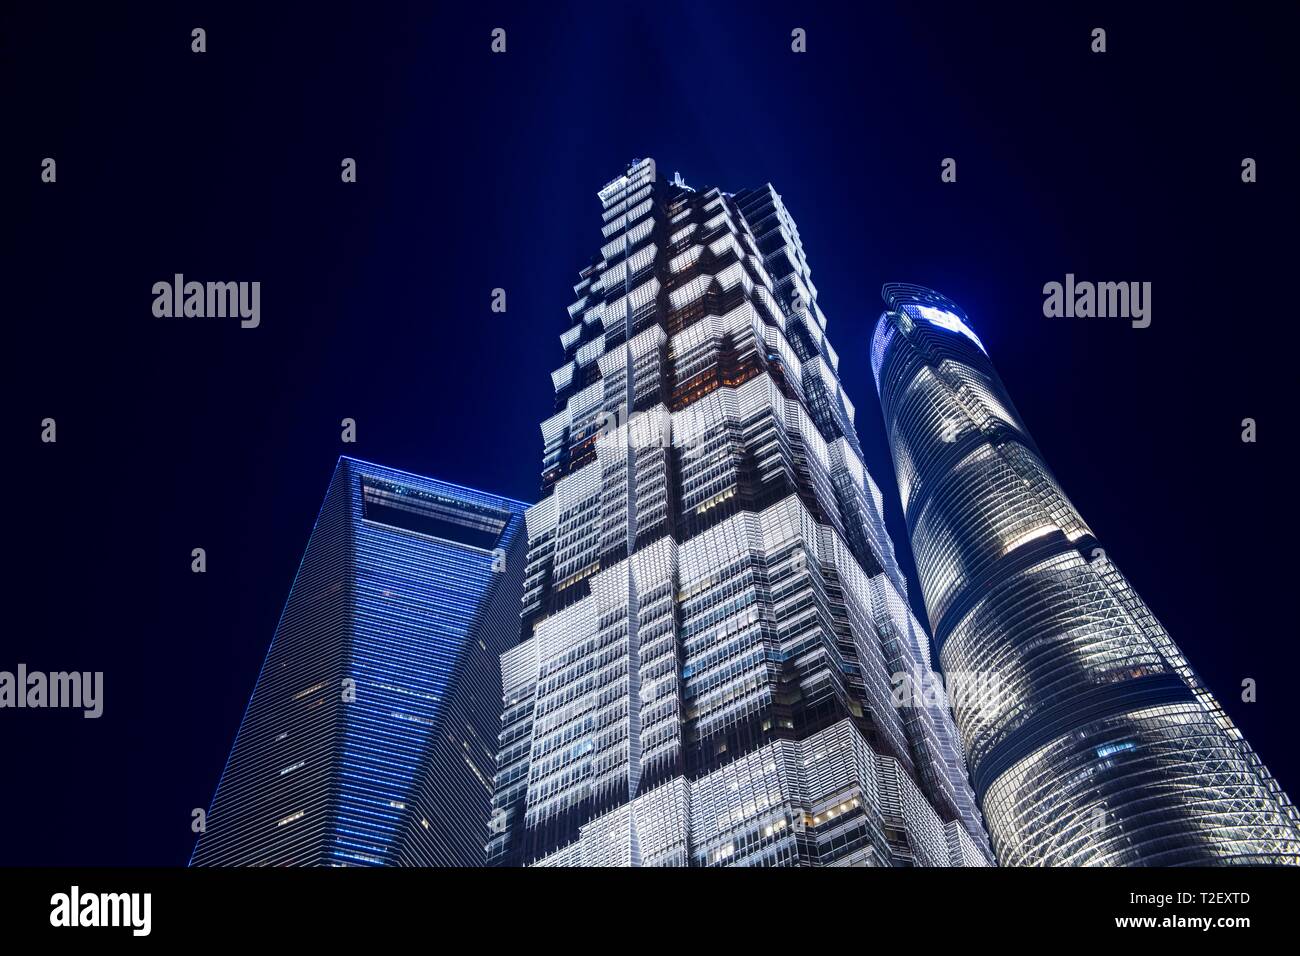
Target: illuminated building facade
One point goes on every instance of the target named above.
(371, 733)
(1102, 746)
(713, 615)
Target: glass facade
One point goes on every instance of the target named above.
(715, 623)
(371, 733)
(1101, 747)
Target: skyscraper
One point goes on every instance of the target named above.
(1103, 747)
(715, 622)
(370, 736)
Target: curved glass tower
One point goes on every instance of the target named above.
(1101, 746)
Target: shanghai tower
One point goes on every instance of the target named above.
(714, 624)
(1102, 746)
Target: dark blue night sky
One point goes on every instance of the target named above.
(479, 171)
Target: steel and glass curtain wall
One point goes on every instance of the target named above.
(716, 626)
(1102, 746)
(371, 733)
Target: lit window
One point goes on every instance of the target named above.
(949, 321)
